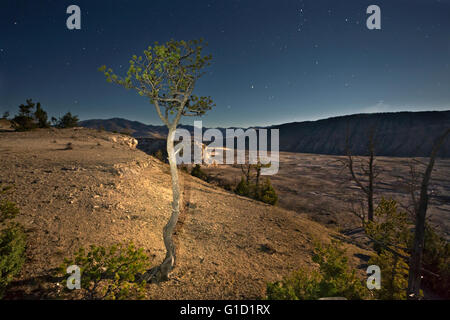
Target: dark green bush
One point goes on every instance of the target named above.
(436, 258)
(12, 254)
(392, 233)
(243, 188)
(67, 121)
(24, 120)
(12, 244)
(110, 273)
(267, 193)
(41, 117)
(199, 173)
(27, 119)
(264, 192)
(333, 279)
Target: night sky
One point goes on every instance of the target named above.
(273, 61)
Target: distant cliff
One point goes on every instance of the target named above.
(399, 134)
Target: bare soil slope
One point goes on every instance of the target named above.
(101, 190)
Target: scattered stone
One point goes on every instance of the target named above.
(267, 249)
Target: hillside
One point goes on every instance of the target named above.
(103, 190)
(135, 128)
(400, 134)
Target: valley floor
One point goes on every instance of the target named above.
(320, 186)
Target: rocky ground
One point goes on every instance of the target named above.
(77, 187)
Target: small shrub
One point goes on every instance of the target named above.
(12, 254)
(199, 173)
(24, 120)
(66, 121)
(333, 279)
(8, 210)
(110, 273)
(161, 155)
(267, 193)
(27, 119)
(243, 188)
(391, 227)
(394, 276)
(12, 244)
(41, 117)
(436, 258)
(392, 236)
(264, 192)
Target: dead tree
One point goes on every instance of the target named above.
(420, 208)
(367, 170)
(247, 171)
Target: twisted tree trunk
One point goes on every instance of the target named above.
(161, 272)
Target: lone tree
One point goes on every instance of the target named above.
(166, 74)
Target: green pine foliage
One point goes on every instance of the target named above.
(24, 120)
(392, 233)
(333, 279)
(392, 236)
(267, 194)
(199, 173)
(264, 192)
(436, 259)
(67, 121)
(243, 188)
(12, 254)
(110, 273)
(12, 244)
(390, 228)
(41, 117)
(394, 275)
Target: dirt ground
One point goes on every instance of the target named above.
(77, 187)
